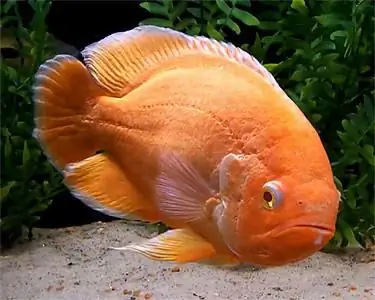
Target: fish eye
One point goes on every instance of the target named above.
(272, 194)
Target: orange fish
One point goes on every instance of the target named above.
(196, 133)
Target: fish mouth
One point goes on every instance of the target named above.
(321, 228)
(287, 243)
(290, 242)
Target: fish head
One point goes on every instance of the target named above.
(275, 218)
(291, 221)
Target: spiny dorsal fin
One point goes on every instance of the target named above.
(119, 59)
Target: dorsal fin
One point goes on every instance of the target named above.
(119, 59)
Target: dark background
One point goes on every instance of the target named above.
(80, 23)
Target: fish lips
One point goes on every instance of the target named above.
(303, 224)
(286, 243)
(294, 241)
(303, 234)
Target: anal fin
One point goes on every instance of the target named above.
(101, 184)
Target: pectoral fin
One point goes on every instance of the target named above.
(100, 183)
(178, 245)
(181, 191)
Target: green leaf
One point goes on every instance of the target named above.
(369, 109)
(298, 75)
(271, 67)
(230, 24)
(324, 45)
(368, 153)
(4, 191)
(7, 149)
(213, 33)
(338, 33)
(6, 19)
(25, 154)
(273, 39)
(328, 20)
(337, 239)
(212, 8)
(265, 25)
(46, 187)
(196, 12)
(157, 22)
(8, 5)
(348, 233)
(256, 49)
(194, 30)
(12, 89)
(300, 6)
(11, 73)
(167, 3)
(364, 69)
(351, 199)
(245, 17)
(316, 117)
(338, 79)
(34, 5)
(224, 7)
(155, 8)
(185, 23)
(245, 3)
(326, 59)
(179, 9)
(338, 183)
(350, 129)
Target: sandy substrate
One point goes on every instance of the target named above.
(76, 264)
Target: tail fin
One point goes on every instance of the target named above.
(63, 92)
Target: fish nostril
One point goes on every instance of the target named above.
(300, 203)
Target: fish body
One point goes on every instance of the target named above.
(194, 133)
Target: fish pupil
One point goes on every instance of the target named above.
(267, 196)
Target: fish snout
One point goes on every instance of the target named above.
(287, 244)
(321, 214)
(299, 238)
